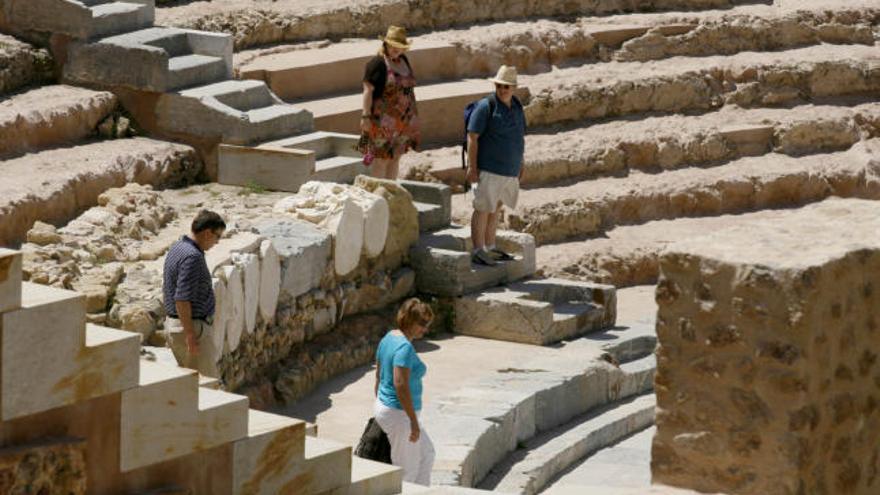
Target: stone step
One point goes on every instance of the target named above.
(440, 109)
(412, 489)
(168, 416)
(339, 169)
(329, 465)
(769, 181)
(112, 17)
(162, 59)
(536, 45)
(271, 456)
(51, 116)
(538, 312)
(528, 470)
(627, 344)
(83, 362)
(442, 261)
(371, 478)
(659, 143)
(485, 420)
(10, 279)
(692, 84)
(71, 179)
(629, 255)
(236, 112)
(192, 70)
(303, 22)
(433, 202)
(339, 68)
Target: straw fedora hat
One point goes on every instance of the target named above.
(396, 37)
(506, 75)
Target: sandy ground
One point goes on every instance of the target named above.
(341, 406)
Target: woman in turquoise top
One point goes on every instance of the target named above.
(399, 373)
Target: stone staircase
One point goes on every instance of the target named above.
(150, 420)
(179, 84)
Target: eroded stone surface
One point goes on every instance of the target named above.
(767, 353)
(49, 466)
(22, 64)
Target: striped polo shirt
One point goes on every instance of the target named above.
(186, 278)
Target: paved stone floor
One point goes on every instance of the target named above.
(625, 465)
(341, 406)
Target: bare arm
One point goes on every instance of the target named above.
(404, 396)
(184, 313)
(376, 385)
(473, 148)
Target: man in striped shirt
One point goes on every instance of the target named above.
(189, 293)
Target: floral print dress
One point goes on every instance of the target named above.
(395, 120)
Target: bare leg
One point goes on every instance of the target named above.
(378, 168)
(393, 168)
(479, 220)
(492, 226)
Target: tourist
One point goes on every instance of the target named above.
(389, 121)
(398, 389)
(496, 141)
(189, 294)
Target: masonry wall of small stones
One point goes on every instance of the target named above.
(768, 380)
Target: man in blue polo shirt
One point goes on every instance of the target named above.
(189, 293)
(496, 141)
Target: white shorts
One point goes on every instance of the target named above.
(492, 190)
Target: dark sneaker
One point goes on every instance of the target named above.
(483, 258)
(500, 255)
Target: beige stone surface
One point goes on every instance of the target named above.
(403, 230)
(73, 178)
(767, 376)
(270, 280)
(271, 457)
(588, 208)
(10, 280)
(23, 64)
(51, 116)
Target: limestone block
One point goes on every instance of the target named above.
(10, 279)
(270, 280)
(221, 254)
(270, 457)
(304, 250)
(48, 466)
(235, 297)
(222, 315)
(403, 230)
(767, 365)
(333, 209)
(250, 268)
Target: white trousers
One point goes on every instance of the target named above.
(416, 459)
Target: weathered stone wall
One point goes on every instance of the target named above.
(50, 466)
(22, 65)
(767, 379)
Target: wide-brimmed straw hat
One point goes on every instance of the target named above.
(506, 75)
(396, 37)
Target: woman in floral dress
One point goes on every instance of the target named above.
(389, 122)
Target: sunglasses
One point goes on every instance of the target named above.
(503, 86)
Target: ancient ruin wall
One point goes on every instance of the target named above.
(767, 380)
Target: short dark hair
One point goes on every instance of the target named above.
(207, 220)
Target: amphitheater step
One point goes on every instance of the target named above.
(442, 261)
(192, 70)
(338, 169)
(769, 181)
(660, 143)
(481, 423)
(83, 362)
(162, 59)
(339, 68)
(271, 456)
(168, 415)
(440, 107)
(329, 464)
(413, 489)
(71, 179)
(690, 84)
(236, 112)
(538, 312)
(433, 202)
(119, 17)
(371, 478)
(10, 280)
(528, 470)
(51, 116)
(628, 343)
